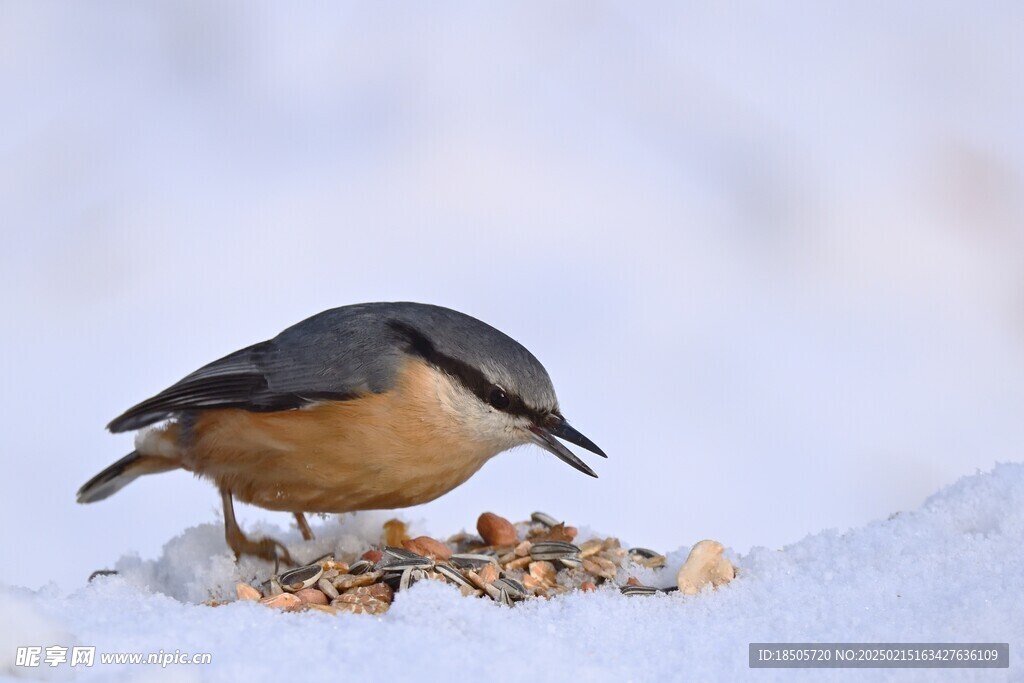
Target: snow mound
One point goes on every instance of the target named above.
(949, 571)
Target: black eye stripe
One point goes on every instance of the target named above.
(466, 374)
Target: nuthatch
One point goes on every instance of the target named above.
(370, 406)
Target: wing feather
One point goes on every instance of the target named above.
(235, 381)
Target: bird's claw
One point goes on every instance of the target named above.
(266, 549)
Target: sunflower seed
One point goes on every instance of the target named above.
(512, 588)
(303, 577)
(472, 560)
(553, 550)
(418, 562)
(400, 553)
(564, 546)
(360, 567)
(406, 580)
(571, 562)
(503, 598)
(638, 590)
(409, 577)
(453, 575)
(543, 518)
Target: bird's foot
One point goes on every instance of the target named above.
(307, 533)
(264, 548)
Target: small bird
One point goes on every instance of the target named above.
(362, 407)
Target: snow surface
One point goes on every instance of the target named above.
(949, 571)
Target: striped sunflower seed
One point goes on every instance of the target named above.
(399, 553)
(303, 577)
(472, 560)
(409, 577)
(511, 587)
(399, 565)
(453, 575)
(554, 550)
(543, 518)
(360, 567)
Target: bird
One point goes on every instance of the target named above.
(366, 406)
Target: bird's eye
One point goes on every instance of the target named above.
(498, 398)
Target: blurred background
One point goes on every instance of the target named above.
(771, 255)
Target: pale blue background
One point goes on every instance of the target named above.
(772, 254)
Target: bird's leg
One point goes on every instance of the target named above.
(307, 533)
(264, 548)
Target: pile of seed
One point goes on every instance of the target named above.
(505, 563)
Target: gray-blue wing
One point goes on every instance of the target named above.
(335, 355)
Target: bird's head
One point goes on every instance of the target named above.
(500, 391)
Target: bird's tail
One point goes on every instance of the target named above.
(122, 473)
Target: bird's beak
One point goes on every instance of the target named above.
(544, 436)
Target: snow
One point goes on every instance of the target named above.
(948, 571)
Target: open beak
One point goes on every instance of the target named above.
(545, 438)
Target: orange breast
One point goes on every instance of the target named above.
(389, 450)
